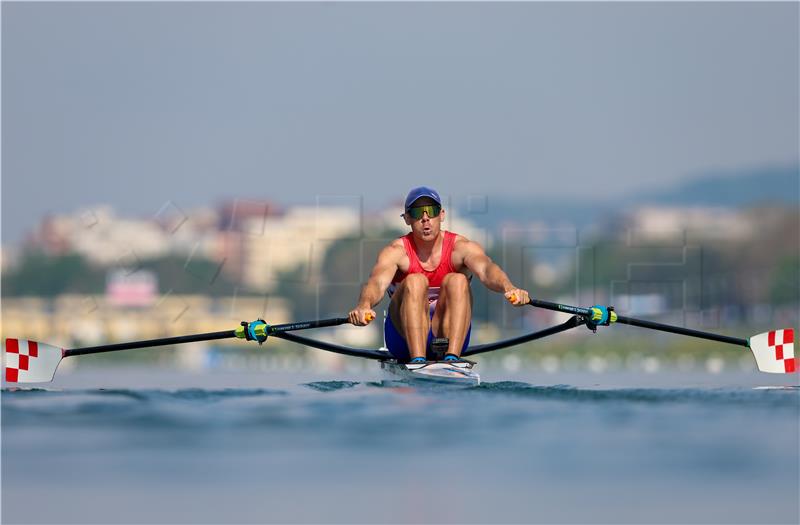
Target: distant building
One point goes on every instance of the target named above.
(253, 241)
(297, 239)
(238, 222)
(659, 223)
(9, 256)
(107, 240)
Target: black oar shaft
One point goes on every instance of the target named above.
(209, 336)
(379, 355)
(682, 331)
(642, 323)
(560, 307)
(305, 325)
(572, 322)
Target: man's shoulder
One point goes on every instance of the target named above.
(464, 248)
(459, 237)
(396, 243)
(394, 248)
(463, 242)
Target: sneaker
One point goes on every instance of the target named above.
(450, 358)
(418, 361)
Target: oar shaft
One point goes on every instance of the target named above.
(209, 336)
(572, 322)
(642, 323)
(547, 305)
(305, 325)
(682, 331)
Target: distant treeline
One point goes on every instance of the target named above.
(41, 275)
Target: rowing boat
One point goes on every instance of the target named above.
(434, 372)
(33, 362)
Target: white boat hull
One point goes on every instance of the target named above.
(457, 373)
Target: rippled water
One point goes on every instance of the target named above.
(102, 447)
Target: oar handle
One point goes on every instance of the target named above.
(587, 312)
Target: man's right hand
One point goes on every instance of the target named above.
(361, 316)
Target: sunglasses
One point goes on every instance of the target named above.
(417, 212)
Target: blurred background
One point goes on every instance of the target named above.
(176, 168)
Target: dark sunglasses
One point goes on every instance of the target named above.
(417, 212)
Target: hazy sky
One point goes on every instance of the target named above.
(137, 104)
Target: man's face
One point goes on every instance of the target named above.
(426, 228)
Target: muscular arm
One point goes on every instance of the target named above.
(379, 280)
(489, 273)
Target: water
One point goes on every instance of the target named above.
(130, 445)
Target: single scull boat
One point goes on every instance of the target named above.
(33, 362)
(435, 372)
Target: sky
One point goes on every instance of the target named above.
(138, 104)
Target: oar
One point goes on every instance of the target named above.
(774, 350)
(33, 362)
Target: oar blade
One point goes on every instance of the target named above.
(774, 351)
(31, 362)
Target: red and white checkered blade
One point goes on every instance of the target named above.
(30, 362)
(774, 351)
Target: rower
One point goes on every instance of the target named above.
(427, 275)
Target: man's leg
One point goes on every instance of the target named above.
(453, 311)
(409, 313)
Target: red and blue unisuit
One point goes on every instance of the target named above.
(395, 341)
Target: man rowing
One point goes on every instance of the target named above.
(427, 274)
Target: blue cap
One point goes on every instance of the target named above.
(422, 191)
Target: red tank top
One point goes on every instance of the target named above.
(434, 276)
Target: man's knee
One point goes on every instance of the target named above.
(416, 284)
(455, 283)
